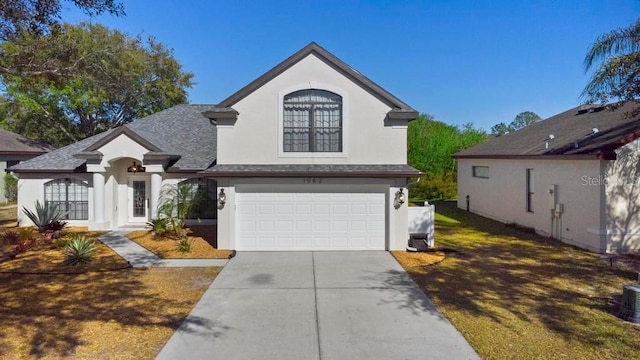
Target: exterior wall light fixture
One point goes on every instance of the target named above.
(136, 168)
(222, 198)
(399, 199)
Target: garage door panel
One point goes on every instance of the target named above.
(310, 221)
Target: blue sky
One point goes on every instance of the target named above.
(460, 61)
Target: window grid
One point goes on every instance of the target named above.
(70, 195)
(312, 121)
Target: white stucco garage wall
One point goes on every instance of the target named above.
(396, 220)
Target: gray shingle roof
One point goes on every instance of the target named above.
(394, 170)
(573, 135)
(181, 130)
(12, 143)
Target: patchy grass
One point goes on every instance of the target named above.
(126, 314)
(516, 295)
(8, 217)
(202, 239)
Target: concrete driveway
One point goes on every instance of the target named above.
(315, 305)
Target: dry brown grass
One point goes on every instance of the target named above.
(516, 295)
(202, 239)
(8, 217)
(99, 313)
(126, 314)
(418, 259)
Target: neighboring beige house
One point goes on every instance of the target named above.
(574, 176)
(13, 149)
(309, 156)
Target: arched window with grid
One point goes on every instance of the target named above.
(312, 121)
(71, 196)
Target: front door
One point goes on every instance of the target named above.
(138, 201)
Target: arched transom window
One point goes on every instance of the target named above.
(71, 196)
(312, 121)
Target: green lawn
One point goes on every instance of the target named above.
(516, 295)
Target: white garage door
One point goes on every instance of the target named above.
(310, 221)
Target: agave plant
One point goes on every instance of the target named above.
(44, 215)
(80, 250)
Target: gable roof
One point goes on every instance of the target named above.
(14, 144)
(180, 133)
(584, 132)
(399, 107)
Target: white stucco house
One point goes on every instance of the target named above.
(574, 177)
(309, 156)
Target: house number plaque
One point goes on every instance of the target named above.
(312, 180)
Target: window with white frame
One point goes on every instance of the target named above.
(312, 121)
(481, 172)
(70, 195)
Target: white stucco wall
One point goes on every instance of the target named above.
(256, 136)
(396, 220)
(621, 181)
(503, 196)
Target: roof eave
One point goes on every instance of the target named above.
(329, 59)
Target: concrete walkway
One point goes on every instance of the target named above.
(139, 257)
(315, 305)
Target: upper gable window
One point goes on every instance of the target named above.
(312, 121)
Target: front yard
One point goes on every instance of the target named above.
(100, 310)
(516, 295)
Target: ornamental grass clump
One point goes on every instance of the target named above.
(45, 215)
(80, 250)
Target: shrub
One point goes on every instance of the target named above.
(80, 250)
(434, 187)
(24, 245)
(44, 215)
(184, 245)
(56, 225)
(10, 187)
(160, 226)
(26, 233)
(10, 238)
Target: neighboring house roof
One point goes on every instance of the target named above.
(584, 132)
(400, 109)
(180, 133)
(394, 170)
(14, 144)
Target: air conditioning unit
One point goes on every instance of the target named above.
(630, 304)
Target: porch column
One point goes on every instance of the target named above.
(156, 185)
(98, 197)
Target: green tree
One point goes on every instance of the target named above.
(615, 59)
(40, 17)
(521, 120)
(430, 146)
(114, 80)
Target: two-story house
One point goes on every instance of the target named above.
(309, 156)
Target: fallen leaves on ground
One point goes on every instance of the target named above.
(126, 314)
